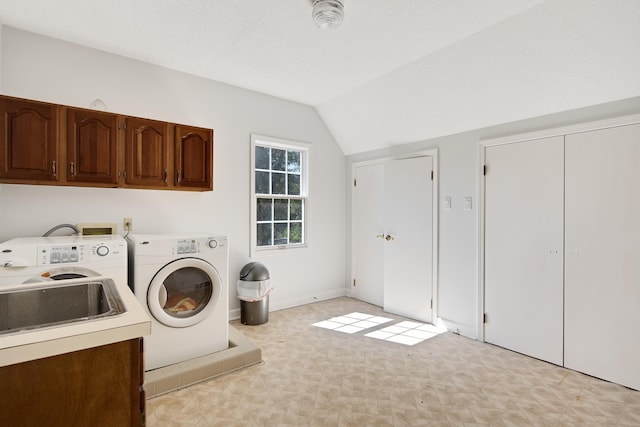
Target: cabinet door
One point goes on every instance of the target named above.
(524, 247)
(29, 141)
(95, 386)
(92, 144)
(602, 271)
(147, 153)
(194, 158)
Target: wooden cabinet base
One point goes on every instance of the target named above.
(96, 386)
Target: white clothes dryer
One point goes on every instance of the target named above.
(40, 259)
(182, 282)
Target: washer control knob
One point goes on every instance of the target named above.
(212, 243)
(102, 250)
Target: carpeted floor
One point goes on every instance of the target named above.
(312, 376)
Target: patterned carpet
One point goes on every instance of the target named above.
(312, 376)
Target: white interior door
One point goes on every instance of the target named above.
(524, 247)
(602, 283)
(368, 224)
(408, 245)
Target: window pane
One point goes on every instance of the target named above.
(262, 182)
(262, 157)
(293, 161)
(278, 159)
(295, 232)
(294, 185)
(296, 210)
(281, 233)
(281, 209)
(278, 185)
(264, 235)
(264, 210)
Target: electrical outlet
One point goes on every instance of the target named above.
(128, 224)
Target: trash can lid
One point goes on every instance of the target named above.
(254, 271)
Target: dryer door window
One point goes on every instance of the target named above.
(184, 292)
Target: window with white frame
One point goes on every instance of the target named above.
(279, 193)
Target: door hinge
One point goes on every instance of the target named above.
(354, 182)
(354, 283)
(432, 304)
(484, 170)
(484, 318)
(431, 175)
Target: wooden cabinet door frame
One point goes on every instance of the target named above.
(29, 143)
(193, 158)
(148, 153)
(92, 147)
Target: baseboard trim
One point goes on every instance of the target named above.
(278, 304)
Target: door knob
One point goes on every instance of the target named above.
(388, 237)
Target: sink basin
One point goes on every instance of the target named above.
(57, 304)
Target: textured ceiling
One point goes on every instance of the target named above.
(271, 46)
(394, 72)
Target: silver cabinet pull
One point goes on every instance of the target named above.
(166, 175)
(53, 167)
(72, 169)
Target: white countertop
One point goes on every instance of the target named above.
(39, 343)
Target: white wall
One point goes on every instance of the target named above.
(460, 177)
(41, 68)
(557, 56)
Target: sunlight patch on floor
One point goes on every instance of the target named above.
(407, 333)
(352, 322)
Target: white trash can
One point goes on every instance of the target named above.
(253, 292)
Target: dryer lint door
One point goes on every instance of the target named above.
(184, 292)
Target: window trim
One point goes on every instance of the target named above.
(305, 149)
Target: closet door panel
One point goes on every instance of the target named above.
(523, 247)
(602, 306)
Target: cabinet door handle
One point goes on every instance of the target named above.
(166, 175)
(72, 169)
(53, 167)
(179, 177)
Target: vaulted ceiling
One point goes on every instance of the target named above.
(394, 72)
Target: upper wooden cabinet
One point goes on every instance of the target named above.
(193, 157)
(147, 153)
(29, 142)
(92, 147)
(45, 143)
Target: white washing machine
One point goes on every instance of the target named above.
(38, 259)
(182, 282)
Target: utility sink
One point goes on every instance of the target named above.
(56, 304)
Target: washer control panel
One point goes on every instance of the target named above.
(198, 245)
(80, 252)
(62, 254)
(188, 246)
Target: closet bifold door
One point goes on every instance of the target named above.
(602, 254)
(523, 247)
